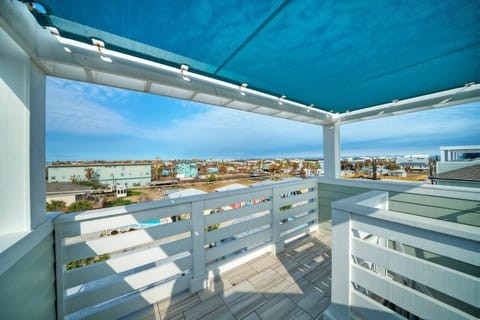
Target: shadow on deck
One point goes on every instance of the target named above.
(293, 285)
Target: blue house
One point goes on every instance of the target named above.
(186, 169)
(212, 170)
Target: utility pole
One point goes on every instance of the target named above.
(374, 168)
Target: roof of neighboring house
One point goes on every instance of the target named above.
(269, 182)
(471, 173)
(290, 179)
(262, 183)
(66, 187)
(103, 164)
(185, 193)
(233, 186)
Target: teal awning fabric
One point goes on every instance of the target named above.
(337, 55)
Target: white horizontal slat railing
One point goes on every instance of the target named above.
(391, 265)
(111, 262)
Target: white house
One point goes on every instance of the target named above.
(67, 192)
(415, 162)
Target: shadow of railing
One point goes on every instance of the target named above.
(294, 284)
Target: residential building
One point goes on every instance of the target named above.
(457, 157)
(67, 192)
(186, 169)
(121, 190)
(397, 173)
(130, 174)
(414, 162)
(212, 170)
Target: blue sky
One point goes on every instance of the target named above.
(91, 122)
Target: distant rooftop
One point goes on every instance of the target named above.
(470, 173)
(183, 193)
(233, 186)
(461, 148)
(93, 164)
(60, 187)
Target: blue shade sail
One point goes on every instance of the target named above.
(337, 55)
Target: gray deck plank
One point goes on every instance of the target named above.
(295, 284)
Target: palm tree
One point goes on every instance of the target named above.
(74, 179)
(89, 173)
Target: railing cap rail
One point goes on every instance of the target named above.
(355, 205)
(109, 212)
(408, 187)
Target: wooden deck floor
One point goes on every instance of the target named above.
(293, 285)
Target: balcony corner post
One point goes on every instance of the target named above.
(341, 259)
(59, 270)
(277, 243)
(331, 150)
(199, 276)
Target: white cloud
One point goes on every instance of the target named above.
(207, 131)
(74, 107)
(220, 131)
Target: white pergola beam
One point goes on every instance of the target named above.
(466, 94)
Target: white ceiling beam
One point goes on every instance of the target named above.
(466, 94)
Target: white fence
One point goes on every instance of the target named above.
(146, 252)
(389, 265)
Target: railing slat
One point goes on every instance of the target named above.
(122, 285)
(302, 185)
(409, 299)
(249, 195)
(126, 305)
(289, 225)
(303, 230)
(235, 245)
(75, 228)
(296, 199)
(285, 214)
(454, 283)
(122, 241)
(125, 262)
(230, 231)
(233, 214)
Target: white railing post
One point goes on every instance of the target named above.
(315, 227)
(199, 276)
(277, 243)
(341, 260)
(59, 270)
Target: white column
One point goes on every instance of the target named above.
(341, 259)
(331, 150)
(199, 275)
(443, 155)
(22, 137)
(278, 244)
